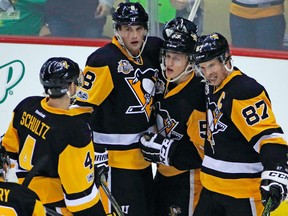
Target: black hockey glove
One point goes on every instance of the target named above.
(274, 184)
(156, 148)
(101, 166)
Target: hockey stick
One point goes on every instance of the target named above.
(194, 10)
(52, 212)
(110, 197)
(266, 211)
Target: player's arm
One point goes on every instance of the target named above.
(98, 84)
(76, 171)
(10, 139)
(158, 149)
(275, 175)
(256, 121)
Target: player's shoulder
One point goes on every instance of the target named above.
(198, 80)
(245, 87)
(102, 56)
(196, 86)
(73, 130)
(153, 43)
(28, 101)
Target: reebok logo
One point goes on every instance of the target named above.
(10, 75)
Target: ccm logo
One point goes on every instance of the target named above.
(279, 175)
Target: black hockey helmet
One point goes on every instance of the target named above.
(211, 46)
(181, 43)
(180, 36)
(179, 24)
(57, 74)
(130, 13)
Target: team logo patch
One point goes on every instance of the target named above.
(82, 95)
(124, 67)
(214, 36)
(90, 177)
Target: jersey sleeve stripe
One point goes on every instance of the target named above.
(231, 167)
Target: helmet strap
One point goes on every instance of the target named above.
(189, 69)
(228, 59)
(124, 46)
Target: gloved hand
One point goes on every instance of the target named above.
(156, 148)
(101, 166)
(274, 184)
(8, 171)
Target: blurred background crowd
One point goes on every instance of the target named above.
(261, 26)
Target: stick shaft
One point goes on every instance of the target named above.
(51, 212)
(194, 10)
(267, 209)
(111, 197)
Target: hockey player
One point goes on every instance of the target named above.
(14, 198)
(52, 140)
(245, 151)
(180, 116)
(120, 84)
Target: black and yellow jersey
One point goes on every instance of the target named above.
(250, 10)
(121, 90)
(180, 115)
(16, 199)
(64, 138)
(240, 123)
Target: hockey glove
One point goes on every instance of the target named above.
(155, 148)
(274, 184)
(101, 166)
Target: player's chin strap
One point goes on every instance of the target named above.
(124, 47)
(190, 67)
(229, 59)
(199, 72)
(72, 97)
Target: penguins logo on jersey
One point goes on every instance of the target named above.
(166, 125)
(214, 115)
(142, 85)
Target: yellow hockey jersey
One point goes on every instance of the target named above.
(64, 137)
(240, 122)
